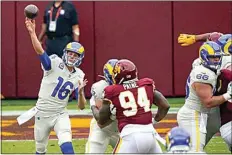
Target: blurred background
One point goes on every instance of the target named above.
(144, 32)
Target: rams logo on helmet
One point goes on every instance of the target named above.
(108, 70)
(74, 47)
(210, 55)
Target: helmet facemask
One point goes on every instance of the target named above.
(213, 62)
(211, 55)
(73, 54)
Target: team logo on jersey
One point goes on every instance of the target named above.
(61, 66)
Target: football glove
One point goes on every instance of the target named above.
(228, 94)
(186, 39)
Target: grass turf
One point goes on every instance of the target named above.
(8, 105)
(216, 145)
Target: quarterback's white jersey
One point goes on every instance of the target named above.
(199, 74)
(56, 86)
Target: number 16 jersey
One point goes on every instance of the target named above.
(56, 86)
(199, 74)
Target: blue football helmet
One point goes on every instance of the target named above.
(74, 47)
(209, 50)
(178, 140)
(108, 70)
(225, 42)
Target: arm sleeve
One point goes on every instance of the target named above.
(46, 61)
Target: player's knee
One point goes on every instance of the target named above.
(95, 147)
(64, 137)
(40, 148)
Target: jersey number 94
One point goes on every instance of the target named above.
(127, 100)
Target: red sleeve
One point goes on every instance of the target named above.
(227, 74)
(108, 93)
(147, 81)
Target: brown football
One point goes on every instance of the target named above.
(31, 11)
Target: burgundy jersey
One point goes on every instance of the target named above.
(133, 101)
(226, 108)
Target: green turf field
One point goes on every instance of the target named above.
(216, 145)
(27, 104)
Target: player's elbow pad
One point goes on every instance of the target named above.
(46, 61)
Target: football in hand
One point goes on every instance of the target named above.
(31, 11)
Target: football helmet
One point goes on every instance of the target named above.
(178, 140)
(225, 41)
(108, 70)
(74, 47)
(124, 70)
(210, 50)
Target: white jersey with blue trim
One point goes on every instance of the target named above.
(199, 74)
(196, 62)
(97, 90)
(56, 86)
(226, 60)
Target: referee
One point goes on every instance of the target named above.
(60, 25)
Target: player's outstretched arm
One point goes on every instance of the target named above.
(30, 25)
(204, 92)
(45, 60)
(189, 39)
(163, 105)
(104, 114)
(42, 32)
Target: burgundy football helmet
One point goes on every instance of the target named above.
(124, 70)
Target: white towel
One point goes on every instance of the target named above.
(203, 122)
(159, 138)
(27, 115)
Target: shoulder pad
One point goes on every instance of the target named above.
(53, 56)
(146, 81)
(108, 92)
(80, 73)
(203, 75)
(226, 61)
(226, 74)
(98, 88)
(196, 62)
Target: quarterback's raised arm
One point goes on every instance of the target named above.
(30, 25)
(45, 60)
(163, 105)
